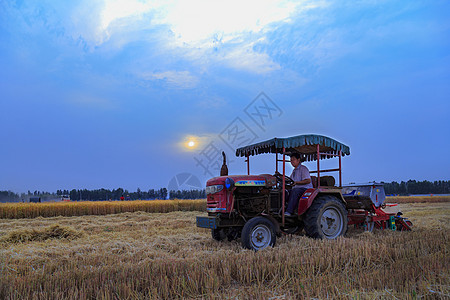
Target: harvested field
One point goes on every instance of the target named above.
(164, 256)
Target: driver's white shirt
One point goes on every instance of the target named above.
(301, 173)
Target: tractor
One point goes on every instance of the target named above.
(252, 207)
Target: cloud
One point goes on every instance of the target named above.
(214, 102)
(209, 32)
(175, 79)
(197, 22)
(203, 31)
(245, 58)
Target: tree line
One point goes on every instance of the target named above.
(413, 187)
(410, 187)
(115, 194)
(102, 195)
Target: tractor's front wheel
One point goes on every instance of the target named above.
(326, 218)
(218, 234)
(258, 233)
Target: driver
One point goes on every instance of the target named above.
(300, 175)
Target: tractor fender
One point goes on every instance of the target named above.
(274, 221)
(310, 194)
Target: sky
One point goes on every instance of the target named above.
(114, 93)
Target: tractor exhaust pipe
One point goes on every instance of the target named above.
(224, 169)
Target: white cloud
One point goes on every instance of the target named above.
(205, 32)
(244, 58)
(176, 79)
(196, 22)
(212, 102)
(195, 27)
(97, 21)
(201, 26)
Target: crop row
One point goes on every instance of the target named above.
(70, 209)
(418, 199)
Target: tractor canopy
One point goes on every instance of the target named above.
(305, 145)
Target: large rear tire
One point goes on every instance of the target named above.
(258, 233)
(326, 218)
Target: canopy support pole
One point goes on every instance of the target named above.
(276, 162)
(318, 166)
(276, 156)
(340, 169)
(283, 196)
(248, 164)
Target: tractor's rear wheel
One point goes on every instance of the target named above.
(326, 218)
(258, 233)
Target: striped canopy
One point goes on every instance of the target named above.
(306, 145)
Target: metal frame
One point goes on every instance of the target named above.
(378, 218)
(318, 171)
(247, 160)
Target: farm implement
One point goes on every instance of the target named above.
(253, 207)
(367, 210)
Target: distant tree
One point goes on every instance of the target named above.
(187, 194)
(163, 193)
(8, 196)
(151, 194)
(74, 195)
(118, 193)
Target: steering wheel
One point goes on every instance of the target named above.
(288, 181)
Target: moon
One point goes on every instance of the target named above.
(190, 143)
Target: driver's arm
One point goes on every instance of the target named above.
(304, 181)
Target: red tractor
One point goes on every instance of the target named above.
(252, 207)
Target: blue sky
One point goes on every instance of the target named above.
(107, 93)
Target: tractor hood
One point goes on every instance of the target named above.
(262, 180)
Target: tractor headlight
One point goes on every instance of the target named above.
(212, 189)
(229, 183)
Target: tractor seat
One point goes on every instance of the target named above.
(324, 181)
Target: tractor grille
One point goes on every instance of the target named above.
(216, 202)
(212, 202)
